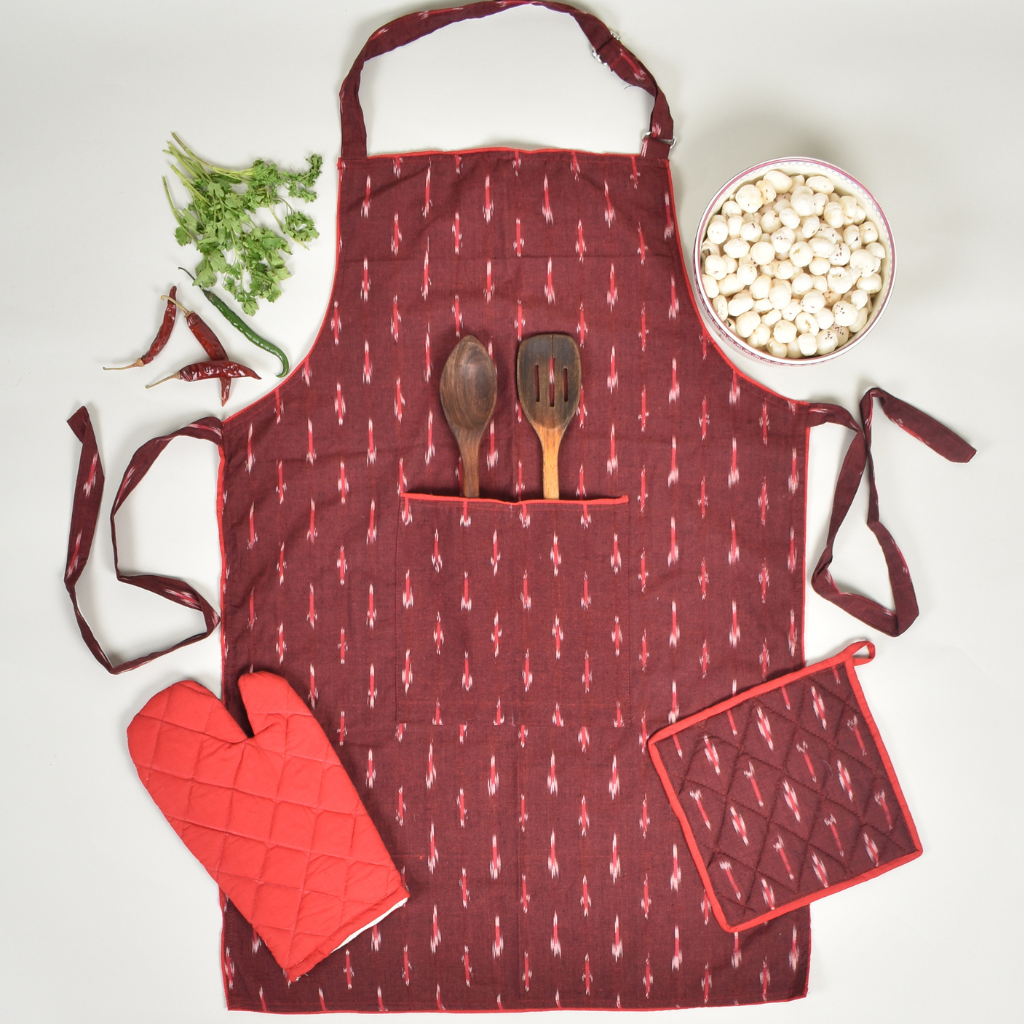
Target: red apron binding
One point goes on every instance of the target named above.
(491, 670)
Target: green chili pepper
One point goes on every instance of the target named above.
(240, 325)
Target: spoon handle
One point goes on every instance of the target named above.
(469, 448)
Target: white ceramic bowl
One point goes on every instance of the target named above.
(844, 185)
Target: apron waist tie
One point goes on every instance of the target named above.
(858, 456)
(85, 512)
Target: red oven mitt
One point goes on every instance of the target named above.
(273, 818)
(785, 793)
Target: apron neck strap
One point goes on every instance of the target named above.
(657, 141)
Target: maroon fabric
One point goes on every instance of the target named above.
(84, 514)
(692, 542)
(858, 457)
(786, 794)
(543, 862)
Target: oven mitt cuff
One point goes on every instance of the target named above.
(274, 818)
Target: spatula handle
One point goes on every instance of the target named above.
(550, 446)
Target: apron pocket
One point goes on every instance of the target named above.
(511, 609)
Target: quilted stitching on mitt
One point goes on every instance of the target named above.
(273, 818)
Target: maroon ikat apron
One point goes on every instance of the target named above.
(491, 668)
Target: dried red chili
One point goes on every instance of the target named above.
(211, 345)
(170, 314)
(220, 369)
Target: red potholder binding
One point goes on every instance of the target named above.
(785, 792)
(273, 818)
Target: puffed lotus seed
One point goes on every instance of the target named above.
(809, 226)
(790, 217)
(833, 215)
(746, 272)
(840, 280)
(782, 240)
(749, 198)
(871, 283)
(826, 340)
(802, 200)
(806, 324)
(800, 254)
(845, 313)
(779, 180)
(762, 332)
(789, 263)
(801, 284)
(751, 231)
(714, 266)
(813, 301)
(780, 293)
(740, 303)
(761, 286)
(718, 230)
(808, 344)
(840, 255)
(784, 331)
(821, 246)
(729, 285)
(746, 323)
(862, 262)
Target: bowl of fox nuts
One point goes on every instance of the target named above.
(793, 262)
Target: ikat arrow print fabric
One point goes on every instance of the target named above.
(490, 670)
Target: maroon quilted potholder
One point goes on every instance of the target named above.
(785, 793)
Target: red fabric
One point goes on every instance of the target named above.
(272, 817)
(785, 793)
(543, 864)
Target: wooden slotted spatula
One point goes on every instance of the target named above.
(548, 381)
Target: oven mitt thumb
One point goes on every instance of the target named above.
(274, 818)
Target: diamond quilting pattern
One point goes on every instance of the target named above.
(798, 802)
(273, 818)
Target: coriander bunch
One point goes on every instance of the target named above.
(218, 221)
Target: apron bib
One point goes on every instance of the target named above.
(491, 668)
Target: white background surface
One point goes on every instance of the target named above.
(104, 915)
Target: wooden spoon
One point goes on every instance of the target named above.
(469, 389)
(548, 380)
